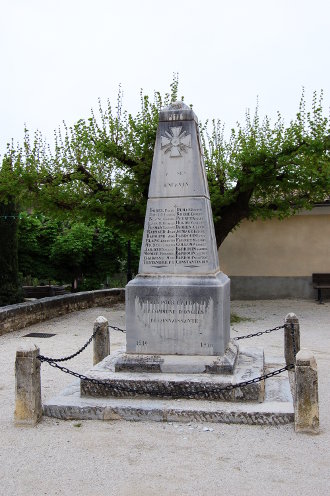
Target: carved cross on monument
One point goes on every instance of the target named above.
(179, 303)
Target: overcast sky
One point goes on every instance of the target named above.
(59, 56)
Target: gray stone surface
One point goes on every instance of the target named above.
(276, 409)
(141, 457)
(178, 315)
(180, 301)
(28, 408)
(306, 401)
(179, 364)
(101, 341)
(179, 237)
(250, 364)
(291, 343)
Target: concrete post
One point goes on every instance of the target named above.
(28, 407)
(291, 320)
(101, 341)
(306, 405)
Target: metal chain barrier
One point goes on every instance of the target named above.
(53, 362)
(64, 359)
(259, 333)
(115, 328)
(293, 340)
(109, 385)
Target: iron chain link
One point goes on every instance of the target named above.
(293, 340)
(259, 333)
(64, 359)
(115, 328)
(53, 362)
(115, 385)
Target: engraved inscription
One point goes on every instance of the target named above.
(176, 142)
(174, 317)
(176, 236)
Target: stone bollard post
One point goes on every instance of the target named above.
(28, 407)
(101, 345)
(306, 405)
(291, 320)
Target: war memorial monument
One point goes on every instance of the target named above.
(178, 306)
(178, 345)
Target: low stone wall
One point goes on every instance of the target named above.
(14, 317)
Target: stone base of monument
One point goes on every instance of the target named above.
(178, 379)
(186, 315)
(181, 397)
(177, 364)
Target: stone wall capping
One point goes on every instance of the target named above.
(15, 317)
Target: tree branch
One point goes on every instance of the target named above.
(86, 177)
(112, 150)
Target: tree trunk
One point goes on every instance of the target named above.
(230, 216)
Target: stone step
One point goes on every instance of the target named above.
(275, 410)
(249, 365)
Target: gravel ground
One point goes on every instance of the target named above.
(91, 458)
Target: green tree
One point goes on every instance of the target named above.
(266, 170)
(101, 166)
(49, 250)
(86, 254)
(70, 251)
(100, 169)
(36, 236)
(108, 257)
(10, 291)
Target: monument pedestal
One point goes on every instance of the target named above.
(170, 397)
(205, 382)
(178, 315)
(179, 364)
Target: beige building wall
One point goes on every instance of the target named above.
(297, 246)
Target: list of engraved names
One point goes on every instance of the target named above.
(176, 235)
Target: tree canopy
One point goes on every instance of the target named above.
(100, 167)
(50, 250)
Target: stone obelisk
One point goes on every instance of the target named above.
(179, 303)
